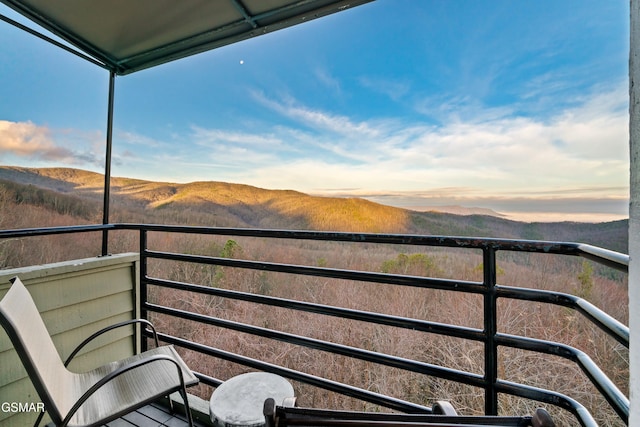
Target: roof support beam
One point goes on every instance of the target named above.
(243, 10)
(107, 164)
(52, 41)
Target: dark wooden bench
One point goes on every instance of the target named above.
(444, 415)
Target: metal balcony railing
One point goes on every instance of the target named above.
(488, 336)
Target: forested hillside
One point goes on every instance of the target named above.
(79, 193)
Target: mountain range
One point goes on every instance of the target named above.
(236, 205)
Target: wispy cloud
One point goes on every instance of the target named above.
(580, 151)
(444, 109)
(237, 147)
(137, 139)
(218, 137)
(394, 89)
(30, 141)
(318, 119)
(329, 81)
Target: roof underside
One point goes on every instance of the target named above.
(131, 35)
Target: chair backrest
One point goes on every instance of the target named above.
(21, 320)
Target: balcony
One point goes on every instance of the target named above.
(484, 346)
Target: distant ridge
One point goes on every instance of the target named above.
(236, 205)
(457, 210)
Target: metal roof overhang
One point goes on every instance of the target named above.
(131, 35)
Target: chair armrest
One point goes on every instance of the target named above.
(107, 329)
(444, 407)
(123, 369)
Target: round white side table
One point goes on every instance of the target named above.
(238, 402)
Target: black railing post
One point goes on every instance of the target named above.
(143, 282)
(490, 330)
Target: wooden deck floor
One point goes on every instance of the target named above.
(153, 415)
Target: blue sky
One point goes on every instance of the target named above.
(517, 106)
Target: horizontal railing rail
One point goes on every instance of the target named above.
(608, 324)
(602, 256)
(488, 289)
(346, 313)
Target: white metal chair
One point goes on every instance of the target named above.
(100, 395)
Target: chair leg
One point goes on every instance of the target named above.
(187, 409)
(171, 409)
(40, 416)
